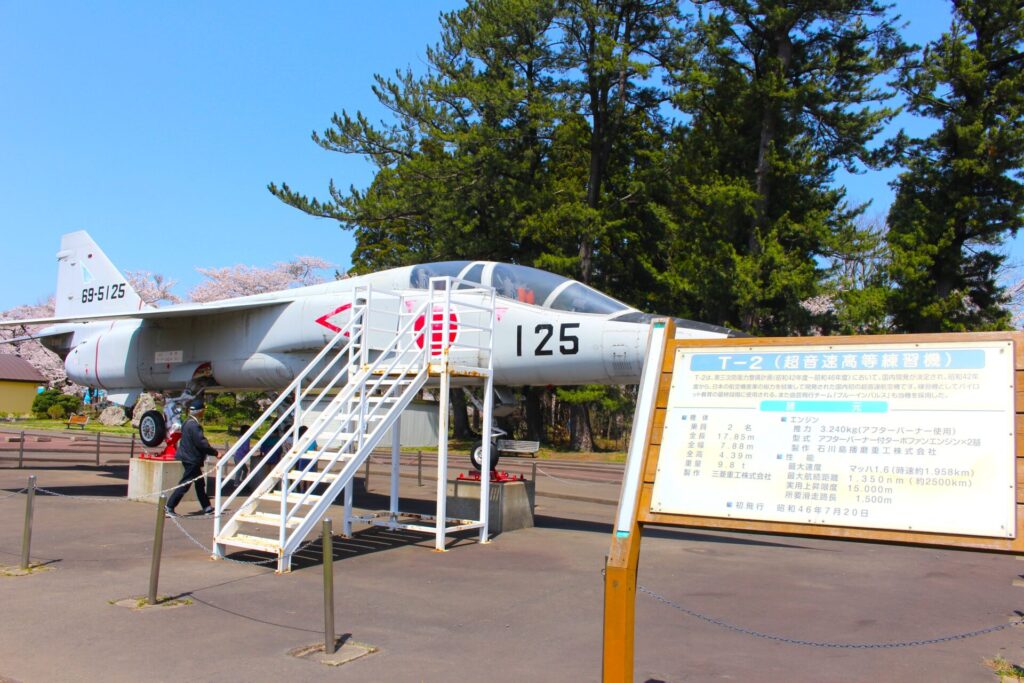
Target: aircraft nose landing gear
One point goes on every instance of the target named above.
(156, 428)
(476, 456)
(152, 428)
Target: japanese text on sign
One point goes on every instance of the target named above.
(896, 436)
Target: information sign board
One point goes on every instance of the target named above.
(900, 436)
(914, 439)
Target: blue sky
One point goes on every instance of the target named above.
(157, 126)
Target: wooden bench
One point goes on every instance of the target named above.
(77, 421)
(518, 447)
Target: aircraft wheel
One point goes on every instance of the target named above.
(152, 428)
(477, 456)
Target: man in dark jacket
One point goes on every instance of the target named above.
(192, 451)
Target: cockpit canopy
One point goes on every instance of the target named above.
(522, 283)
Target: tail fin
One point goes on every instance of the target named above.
(87, 282)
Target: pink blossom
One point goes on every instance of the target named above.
(240, 280)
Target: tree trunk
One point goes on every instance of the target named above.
(535, 414)
(460, 418)
(762, 180)
(581, 435)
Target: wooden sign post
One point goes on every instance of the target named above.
(909, 439)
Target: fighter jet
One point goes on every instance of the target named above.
(549, 330)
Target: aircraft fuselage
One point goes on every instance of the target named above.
(548, 329)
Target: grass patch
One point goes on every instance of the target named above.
(93, 427)
(1004, 669)
(16, 570)
(143, 602)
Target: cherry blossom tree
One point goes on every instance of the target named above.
(1014, 295)
(154, 288)
(240, 280)
(41, 358)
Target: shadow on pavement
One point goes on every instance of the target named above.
(568, 524)
(363, 542)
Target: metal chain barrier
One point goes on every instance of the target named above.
(813, 643)
(174, 518)
(122, 499)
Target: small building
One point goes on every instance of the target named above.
(18, 384)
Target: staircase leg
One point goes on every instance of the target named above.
(485, 471)
(442, 461)
(396, 452)
(346, 524)
(284, 564)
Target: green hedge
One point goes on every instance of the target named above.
(51, 397)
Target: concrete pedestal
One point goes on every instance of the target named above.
(511, 505)
(147, 477)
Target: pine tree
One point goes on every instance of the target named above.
(961, 195)
(779, 94)
(459, 168)
(525, 142)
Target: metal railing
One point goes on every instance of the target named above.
(347, 339)
(382, 380)
(18, 446)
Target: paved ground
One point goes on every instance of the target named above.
(525, 607)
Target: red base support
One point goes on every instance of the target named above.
(496, 477)
(170, 449)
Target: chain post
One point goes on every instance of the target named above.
(26, 535)
(158, 546)
(21, 450)
(131, 449)
(366, 474)
(419, 468)
(327, 544)
(97, 449)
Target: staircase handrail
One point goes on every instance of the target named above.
(395, 351)
(350, 329)
(454, 287)
(364, 450)
(371, 371)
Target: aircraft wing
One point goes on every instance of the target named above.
(179, 311)
(39, 335)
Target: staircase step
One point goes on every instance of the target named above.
(340, 436)
(353, 415)
(267, 519)
(293, 498)
(324, 455)
(311, 476)
(327, 456)
(251, 542)
(398, 372)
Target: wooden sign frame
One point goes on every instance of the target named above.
(642, 465)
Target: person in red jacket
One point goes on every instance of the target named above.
(192, 451)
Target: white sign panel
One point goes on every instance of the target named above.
(167, 357)
(888, 436)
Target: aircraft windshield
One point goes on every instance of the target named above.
(522, 283)
(580, 298)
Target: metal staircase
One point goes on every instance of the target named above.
(349, 396)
